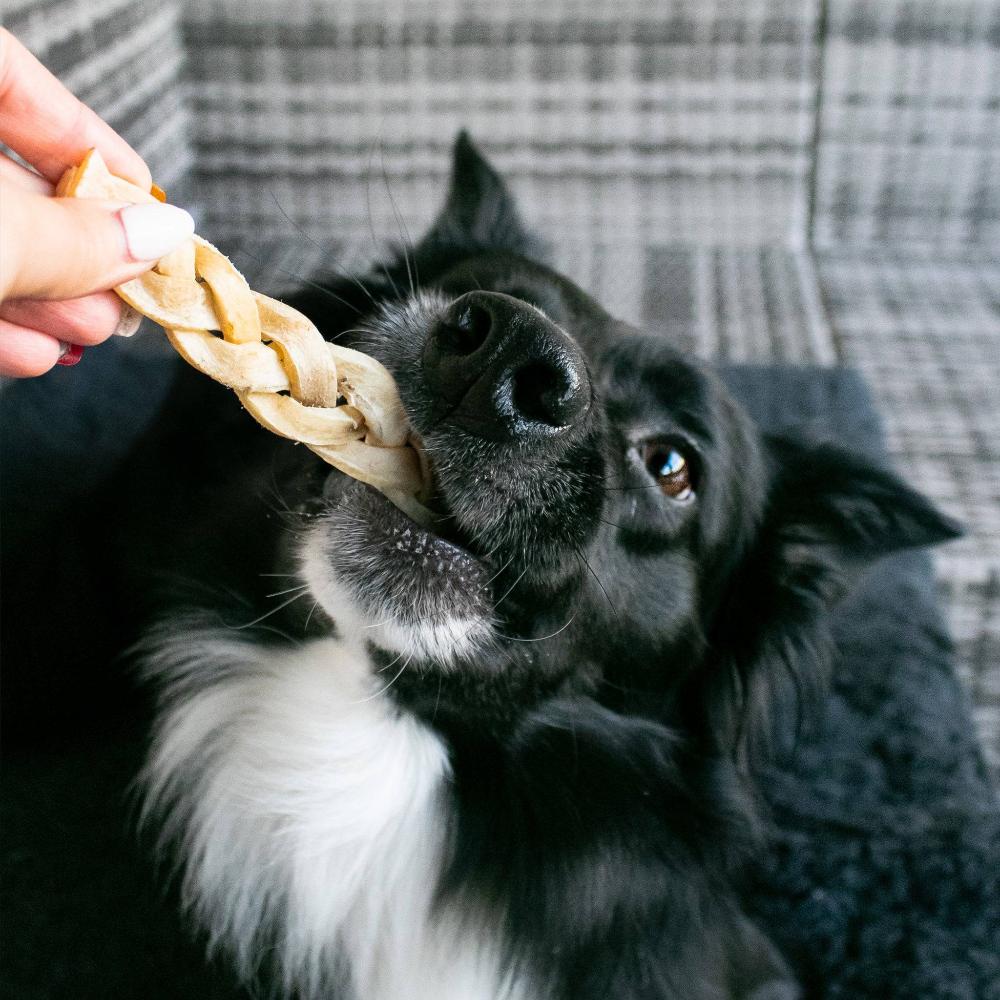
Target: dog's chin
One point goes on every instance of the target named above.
(385, 580)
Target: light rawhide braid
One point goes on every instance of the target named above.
(340, 403)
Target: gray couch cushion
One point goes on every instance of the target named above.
(906, 149)
(124, 59)
(926, 334)
(690, 123)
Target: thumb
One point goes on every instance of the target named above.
(64, 248)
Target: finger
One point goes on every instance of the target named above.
(43, 122)
(88, 321)
(25, 352)
(64, 248)
(28, 179)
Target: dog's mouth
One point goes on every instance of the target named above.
(431, 510)
(498, 399)
(433, 538)
(412, 587)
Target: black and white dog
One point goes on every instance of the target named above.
(511, 757)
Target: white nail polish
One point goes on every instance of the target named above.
(128, 321)
(152, 231)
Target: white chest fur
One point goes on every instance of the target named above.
(312, 818)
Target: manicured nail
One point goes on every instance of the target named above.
(69, 354)
(153, 230)
(128, 321)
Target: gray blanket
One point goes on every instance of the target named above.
(883, 878)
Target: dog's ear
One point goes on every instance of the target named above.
(829, 515)
(479, 213)
(825, 502)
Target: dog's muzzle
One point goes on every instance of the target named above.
(501, 370)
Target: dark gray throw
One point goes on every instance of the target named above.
(883, 879)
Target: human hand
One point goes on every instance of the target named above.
(60, 256)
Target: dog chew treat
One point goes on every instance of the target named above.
(338, 402)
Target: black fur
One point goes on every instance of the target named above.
(603, 773)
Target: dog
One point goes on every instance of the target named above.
(511, 756)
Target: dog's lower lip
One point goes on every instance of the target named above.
(339, 489)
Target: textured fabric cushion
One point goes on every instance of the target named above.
(657, 149)
(909, 116)
(724, 303)
(687, 122)
(884, 880)
(124, 59)
(925, 332)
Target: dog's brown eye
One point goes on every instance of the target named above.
(670, 469)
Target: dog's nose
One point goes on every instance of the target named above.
(503, 370)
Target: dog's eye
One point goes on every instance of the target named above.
(670, 469)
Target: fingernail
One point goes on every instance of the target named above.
(69, 354)
(153, 230)
(128, 321)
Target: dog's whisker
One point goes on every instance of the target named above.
(437, 700)
(312, 611)
(510, 589)
(327, 264)
(404, 234)
(273, 611)
(302, 279)
(371, 224)
(382, 691)
(497, 573)
(289, 590)
(541, 638)
(392, 662)
(382, 624)
(598, 580)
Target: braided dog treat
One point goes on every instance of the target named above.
(340, 403)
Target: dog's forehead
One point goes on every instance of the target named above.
(645, 379)
(564, 302)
